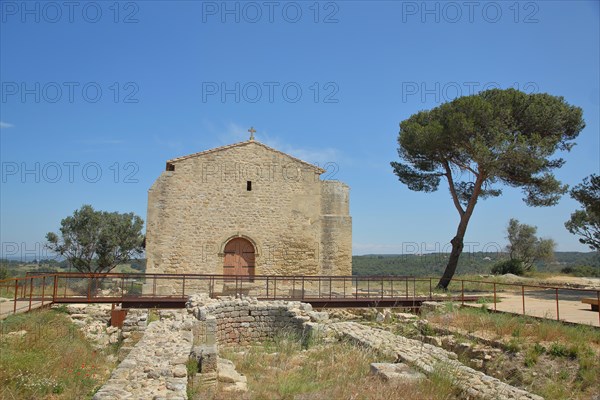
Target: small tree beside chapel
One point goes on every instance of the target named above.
(97, 241)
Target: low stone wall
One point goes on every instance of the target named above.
(426, 357)
(93, 321)
(246, 321)
(155, 368)
(135, 321)
(240, 321)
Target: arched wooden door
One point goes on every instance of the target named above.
(239, 258)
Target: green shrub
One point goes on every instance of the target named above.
(582, 270)
(533, 354)
(427, 330)
(567, 270)
(3, 272)
(539, 349)
(560, 350)
(530, 359)
(62, 308)
(513, 345)
(192, 367)
(508, 267)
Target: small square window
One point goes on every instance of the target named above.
(249, 185)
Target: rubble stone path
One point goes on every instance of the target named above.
(156, 367)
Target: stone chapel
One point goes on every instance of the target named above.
(247, 209)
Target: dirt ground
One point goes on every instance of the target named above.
(540, 302)
(558, 280)
(543, 304)
(574, 280)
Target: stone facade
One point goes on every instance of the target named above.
(294, 222)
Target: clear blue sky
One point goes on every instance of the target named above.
(119, 90)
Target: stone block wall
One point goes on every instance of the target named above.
(246, 321)
(297, 223)
(135, 321)
(336, 226)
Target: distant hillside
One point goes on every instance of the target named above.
(433, 264)
(16, 268)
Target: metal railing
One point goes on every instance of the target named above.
(26, 293)
(36, 291)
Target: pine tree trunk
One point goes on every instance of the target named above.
(457, 248)
(465, 216)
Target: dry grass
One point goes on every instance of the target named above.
(53, 360)
(552, 359)
(7, 290)
(506, 325)
(282, 369)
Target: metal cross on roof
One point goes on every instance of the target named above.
(251, 130)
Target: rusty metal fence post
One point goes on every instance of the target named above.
(89, 289)
(30, 292)
(55, 288)
(523, 296)
(267, 287)
(557, 312)
(430, 290)
(16, 291)
(598, 298)
(43, 289)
